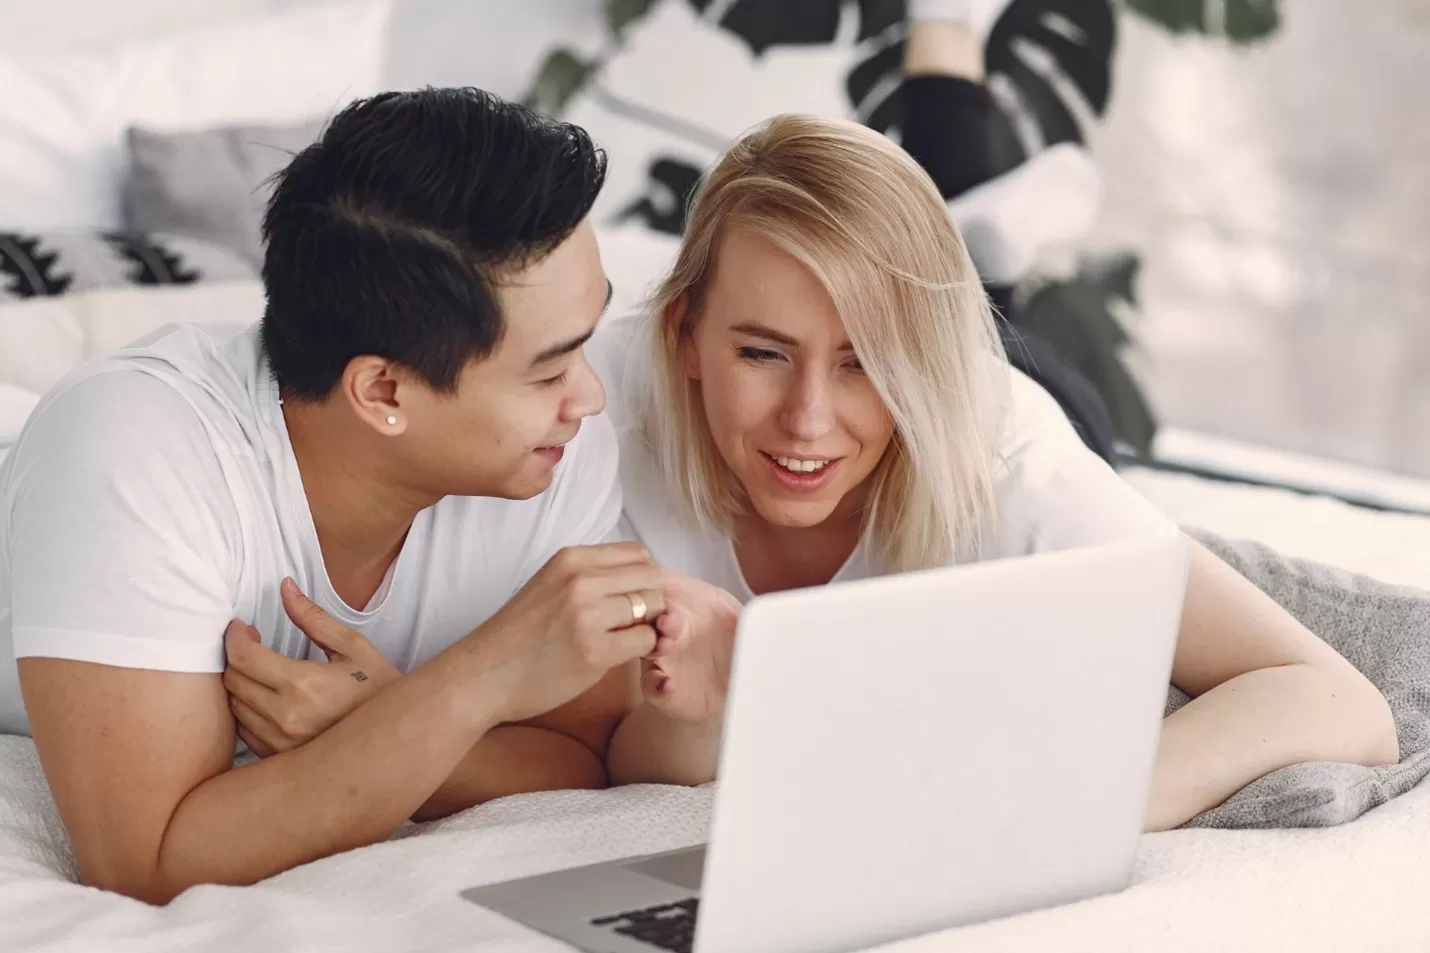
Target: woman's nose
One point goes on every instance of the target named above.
(809, 413)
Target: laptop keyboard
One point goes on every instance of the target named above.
(669, 926)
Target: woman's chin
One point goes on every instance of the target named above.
(795, 514)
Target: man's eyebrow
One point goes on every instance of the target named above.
(770, 334)
(561, 350)
(610, 293)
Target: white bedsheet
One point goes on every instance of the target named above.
(1358, 887)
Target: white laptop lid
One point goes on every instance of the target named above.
(919, 751)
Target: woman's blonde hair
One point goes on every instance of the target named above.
(867, 221)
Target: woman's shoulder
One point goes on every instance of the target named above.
(656, 517)
(619, 354)
(1053, 491)
(1033, 418)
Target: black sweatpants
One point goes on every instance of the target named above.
(946, 129)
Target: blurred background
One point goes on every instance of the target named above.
(1260, 263)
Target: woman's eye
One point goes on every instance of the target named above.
(556, 381)
(854, 365)
(757, 354)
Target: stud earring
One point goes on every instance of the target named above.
(391, 420)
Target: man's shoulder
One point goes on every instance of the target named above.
(157, 390)
(108, 405)
(110, 428)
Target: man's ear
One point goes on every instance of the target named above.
(675, 315)
(370, 386)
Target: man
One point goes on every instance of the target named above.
(411, 437)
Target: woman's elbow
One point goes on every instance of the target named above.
(146, 887)
(1384, 747)
(1379, 745)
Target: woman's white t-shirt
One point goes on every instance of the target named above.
(1053, 492)
(153, 496)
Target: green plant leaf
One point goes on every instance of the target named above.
(560, 77)
(1076, 317)
(762, 24)
(1241, 21)
(670, 185)
(622, 13)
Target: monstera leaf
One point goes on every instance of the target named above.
(1039, 50)
(561, 76)
(766, 23)
(1239, 21)
(622, 13)
(1078, 318)
(669, 185)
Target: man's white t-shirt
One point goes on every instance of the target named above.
(1052, 491)
(153, 497)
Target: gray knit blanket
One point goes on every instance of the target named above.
(1382, 629)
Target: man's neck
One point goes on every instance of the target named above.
(361, 517)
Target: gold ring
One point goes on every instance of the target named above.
(638, 608)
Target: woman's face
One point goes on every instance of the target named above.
(789, 406)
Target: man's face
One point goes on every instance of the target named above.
(503, 431)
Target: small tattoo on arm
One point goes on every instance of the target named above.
(359, 676)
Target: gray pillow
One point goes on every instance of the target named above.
(1384, 631)
(210, 184)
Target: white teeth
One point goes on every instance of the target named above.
(801, 466)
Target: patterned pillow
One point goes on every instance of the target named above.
(59, 263)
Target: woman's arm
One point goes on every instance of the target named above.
(650, 747)
(673, 735)
(1267, 693)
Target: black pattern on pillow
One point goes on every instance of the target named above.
(59, 263)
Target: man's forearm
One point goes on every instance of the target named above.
(1258, 722)
(649, 748)
(514, 759)
(353, 785)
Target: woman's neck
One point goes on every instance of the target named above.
(773, 558)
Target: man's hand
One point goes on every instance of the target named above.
(687, 675)
(571, 624)
(281, 703)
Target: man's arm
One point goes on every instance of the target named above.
(282, 703)
(561, 750)
(136, 758)
(138, 762)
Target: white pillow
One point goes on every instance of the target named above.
(63, 116)
(43, 339)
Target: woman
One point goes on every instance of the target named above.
(820, 394)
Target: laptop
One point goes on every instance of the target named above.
(903, 755)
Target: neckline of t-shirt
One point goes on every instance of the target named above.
(285, 464)
(746, 593)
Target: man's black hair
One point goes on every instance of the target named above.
(387, 235)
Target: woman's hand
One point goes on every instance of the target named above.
(282, 703)
(687, 675)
